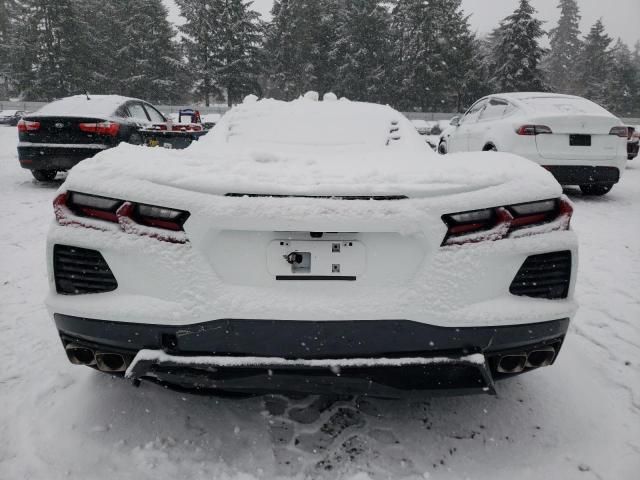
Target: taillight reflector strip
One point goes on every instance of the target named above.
(620, 131)
(28, 126)
(533, 130)
(100, 128)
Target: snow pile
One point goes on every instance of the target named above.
(83, 106)
(334, 364)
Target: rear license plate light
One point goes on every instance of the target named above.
(577, 140)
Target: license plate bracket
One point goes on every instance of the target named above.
(579, 140)
(316, 259)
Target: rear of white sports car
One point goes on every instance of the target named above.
(299, 248)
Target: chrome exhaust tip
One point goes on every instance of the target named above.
(514, 363)
(79, 355)
(541, 357)
(110, 362)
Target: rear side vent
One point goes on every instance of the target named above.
(544, 276)
(78, 270)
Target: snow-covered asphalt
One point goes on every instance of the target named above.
(579, 419)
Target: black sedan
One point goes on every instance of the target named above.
(11, 117)
(67, 131)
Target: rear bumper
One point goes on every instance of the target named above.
(389, 358)
(584, 174)
(54, 158)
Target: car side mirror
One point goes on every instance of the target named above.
(455, 122)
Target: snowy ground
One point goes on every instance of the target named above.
(579, 419)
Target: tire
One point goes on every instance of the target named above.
(596, 190)
(442, 148)
(44, 175)
(489, 148)
(135, 139)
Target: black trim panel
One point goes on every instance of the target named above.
(309, 339)
(584, 174)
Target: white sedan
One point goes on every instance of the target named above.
(579, 142)
(297, 248)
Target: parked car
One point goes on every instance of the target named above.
(67, 131)
(633, 143)
(579, 142)
(11, 117)
(312, 247)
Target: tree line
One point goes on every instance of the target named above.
(411, 54)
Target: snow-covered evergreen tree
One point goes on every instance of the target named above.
(596, 62)
(431, 42)
(565, 42)
(147, 60)
(222, 41)
(300, 39)
(624, 83)
(361, 51)
(517, 54)
(8, 16)
(239, 59)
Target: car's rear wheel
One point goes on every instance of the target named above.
(489, 148)
(135, 139)
(44, 175)
(596, 189)
(442, 148)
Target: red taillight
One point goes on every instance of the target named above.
(187, 127)
(132, 218)
(28, 126)
(92, 206)
(620, 132)
(500, 222)
(101, 128)
(533, 130)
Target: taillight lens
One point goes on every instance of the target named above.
(101, 128)
(160, 217)
(533, 213)
(28, 126)
(84, 205)
(466, 222)
(533, 130)
(620, 132)
(132, 217)
(189, 127)
(499, 222)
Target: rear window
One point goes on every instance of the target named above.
(563, 105)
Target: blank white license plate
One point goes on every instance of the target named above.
(316, 259)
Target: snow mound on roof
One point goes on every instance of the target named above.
(309, 125)
(557, 104)
(80, 105)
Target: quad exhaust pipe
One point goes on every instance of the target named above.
(104, 361)
(79, 355)
(541, 357)
(514, 363)
(110, 362)
(517, 362)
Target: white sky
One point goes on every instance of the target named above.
(621, 17)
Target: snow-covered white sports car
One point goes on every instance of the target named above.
(298, 248)
(579, 142)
